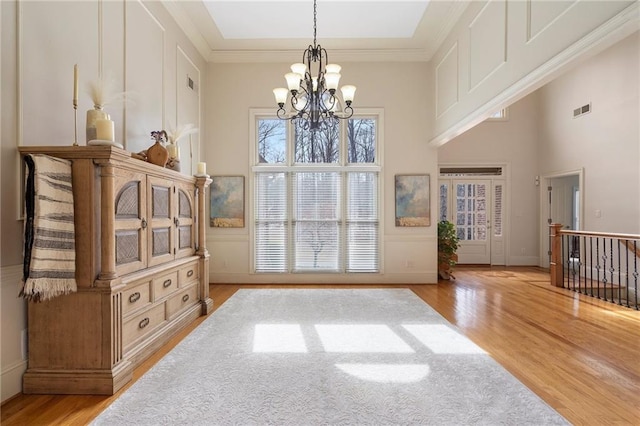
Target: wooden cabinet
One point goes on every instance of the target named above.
(141, 266)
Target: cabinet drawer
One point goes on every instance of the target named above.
(136, 297)
(188, 274)
(164, 285)
(142, 324)
(182, 300)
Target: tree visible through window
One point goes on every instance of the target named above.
(316, 209)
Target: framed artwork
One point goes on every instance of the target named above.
(227, 202)
(412, 200)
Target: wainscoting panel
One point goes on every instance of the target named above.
(540, 15)
(510, 49)
(145, 47)
(46, 71)
(188, 108)
(447, 81)
(487, 42)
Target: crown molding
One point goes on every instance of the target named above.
(187, 26)
(375, 55)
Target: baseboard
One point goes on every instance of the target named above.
(13, 309)
(390, 278)
(11, 379)
(523, 261)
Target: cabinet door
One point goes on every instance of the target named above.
(161, 236)
(130, 221)
(185, 213)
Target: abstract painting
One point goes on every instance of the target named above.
(227, 202)
(412, 200)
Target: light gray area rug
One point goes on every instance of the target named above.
(327, 357)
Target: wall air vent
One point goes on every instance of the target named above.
(470, 171)
(582, 110)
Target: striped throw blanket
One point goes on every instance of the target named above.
(49, 246)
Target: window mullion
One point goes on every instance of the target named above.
(325, 231)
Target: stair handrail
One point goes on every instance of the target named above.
(555, 245)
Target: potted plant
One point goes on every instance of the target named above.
(448, 243)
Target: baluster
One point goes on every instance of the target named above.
(619, 275)
(635, 274)
(598, 265)
(590, 265)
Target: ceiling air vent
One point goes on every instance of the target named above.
(582, 110)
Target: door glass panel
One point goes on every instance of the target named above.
(471, 211)
(497, 211)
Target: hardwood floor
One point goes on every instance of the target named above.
(581, 355)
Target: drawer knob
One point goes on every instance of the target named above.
(185, 298)
(144, 323)
(190, 273)
(167, 283)
(144, 224)
(134, 297)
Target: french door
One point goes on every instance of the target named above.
(475, 206)
(472, 213)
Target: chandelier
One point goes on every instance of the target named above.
(313, 85)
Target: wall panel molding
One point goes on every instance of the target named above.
(487, 34)
(612, 30)
(447, 81)
(539, 19)
(145, 47)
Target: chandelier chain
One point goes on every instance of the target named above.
(315, 13)
(313, 101)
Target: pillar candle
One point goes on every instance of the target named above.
(75, 85)
(174, 151)
(105, 130)
(202, 168)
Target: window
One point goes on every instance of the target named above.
(501, 115)
(316, 196)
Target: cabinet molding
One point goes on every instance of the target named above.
(141, 271)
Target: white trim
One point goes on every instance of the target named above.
(505, 179)
(11, 379)
(523, 260)
(376, 114)
(504, 116)
(11, 375)
(544, 205)
(615, 29)
(188, 27)
(414, 277)
(291, 55)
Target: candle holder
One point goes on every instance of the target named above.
(75, 122)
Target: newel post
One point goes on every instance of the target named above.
(555, 265)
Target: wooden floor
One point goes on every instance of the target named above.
(581, 355)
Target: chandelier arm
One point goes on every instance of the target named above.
(317, 112)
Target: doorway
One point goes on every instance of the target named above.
(561, 202)
(473, 201)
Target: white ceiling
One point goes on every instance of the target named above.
(362, 30)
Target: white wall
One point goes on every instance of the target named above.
(604, 142)
(235, 88)
(541, 138)
(134, 42)
(514, 143)
(502, 50)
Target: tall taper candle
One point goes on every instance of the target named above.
(75, 85)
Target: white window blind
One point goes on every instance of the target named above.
(362, 222)
(271, 228)
(320, 214)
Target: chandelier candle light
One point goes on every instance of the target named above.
(313, 85)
